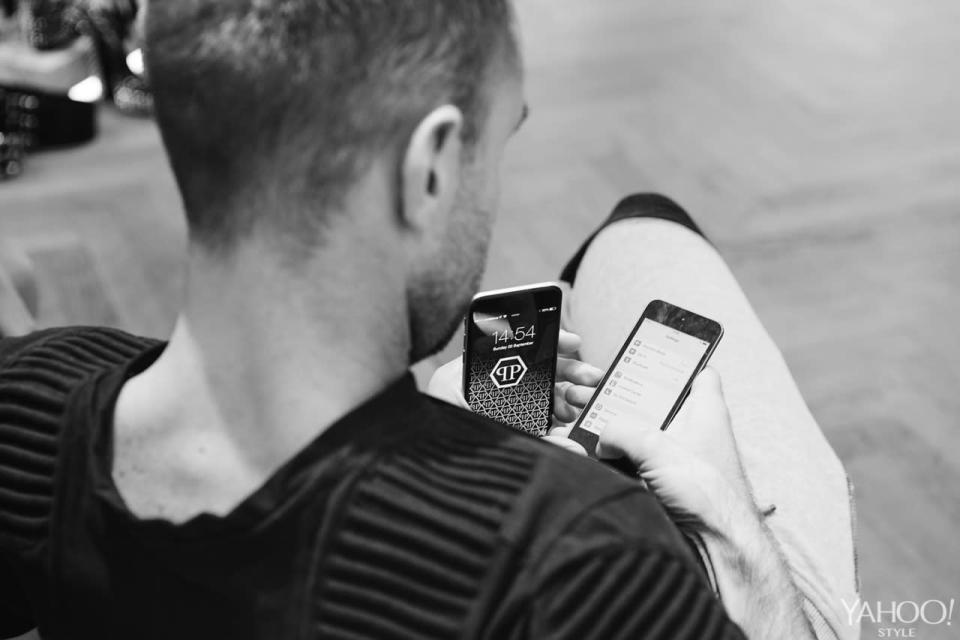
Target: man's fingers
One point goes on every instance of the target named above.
(560, 431)
(577, 372)
(565, 443)
(634, 443)
(646, 447)
(562, 410)
(568, 344)
(578, 395)
(569, 400)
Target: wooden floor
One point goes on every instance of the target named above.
(818, 143)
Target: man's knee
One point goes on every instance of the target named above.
(634, 206)
(653, 205)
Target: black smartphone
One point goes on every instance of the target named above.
(510, 355)
(651, 376)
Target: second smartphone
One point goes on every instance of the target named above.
(510, 355)
(651, 376)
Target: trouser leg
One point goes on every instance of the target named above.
(651, 250)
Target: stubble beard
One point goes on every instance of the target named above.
(439, 302)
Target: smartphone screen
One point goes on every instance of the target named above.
(651, 375)
(510, 355)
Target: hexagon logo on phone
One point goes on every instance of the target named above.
(508, 372)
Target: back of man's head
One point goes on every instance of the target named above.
(270, 109)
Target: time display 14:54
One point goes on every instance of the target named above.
(517, 335)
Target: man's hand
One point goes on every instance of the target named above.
(576, 382)
(694, 466)
(694, 469)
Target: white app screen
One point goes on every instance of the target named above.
(647, 379)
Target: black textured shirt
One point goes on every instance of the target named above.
(408, 518)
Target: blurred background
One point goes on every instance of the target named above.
(817, 143)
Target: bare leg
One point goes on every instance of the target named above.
(788, 460)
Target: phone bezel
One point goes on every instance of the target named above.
(524, 291)
(677, 318)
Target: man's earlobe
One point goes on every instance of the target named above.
(430, 173)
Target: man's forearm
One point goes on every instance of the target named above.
(752, 576)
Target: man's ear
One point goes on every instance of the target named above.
(430, 172)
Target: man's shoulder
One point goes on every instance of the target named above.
(38, 373)
(584, 478)
(11, 347)
(567, 494)
(68, 343)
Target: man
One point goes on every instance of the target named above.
(271, 471)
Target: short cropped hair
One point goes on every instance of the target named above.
(288, 101)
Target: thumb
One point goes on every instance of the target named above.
(568, 344)
(565, 443)
(647, 448)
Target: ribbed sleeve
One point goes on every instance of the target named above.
(416, 540)
(621, 592)
(37, 374)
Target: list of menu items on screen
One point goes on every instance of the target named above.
(647, 379)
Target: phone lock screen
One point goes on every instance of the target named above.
(510, 357)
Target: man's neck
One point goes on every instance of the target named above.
(260, 363)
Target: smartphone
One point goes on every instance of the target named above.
(651, 376)
(510, 355)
